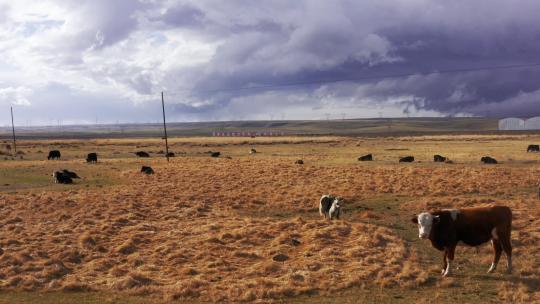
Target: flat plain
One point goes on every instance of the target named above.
(247, 228)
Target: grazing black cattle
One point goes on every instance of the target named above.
(438, 158)
(215, 154)
(170, 154)
(488, 160)
(54, 154)
(70, 173)
(91, 158)
(147, 170)
(62, 178)
(472, 226)
(299, 162)
(533, 148)
(142, 154)
(406, 159)
(368, 157)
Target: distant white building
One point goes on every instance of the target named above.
(532, 123)
(513, 123)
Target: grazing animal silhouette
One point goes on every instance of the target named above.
(70, 173)
(91, 158)
(488, 160)
(439, 159)
(147, 170)
(533, 148)
(368, 157)
(54, 154)
(142, 154)
(406, 159)
(61, 178)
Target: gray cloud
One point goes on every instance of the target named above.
(206, 55)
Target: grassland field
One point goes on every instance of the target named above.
(247, 229)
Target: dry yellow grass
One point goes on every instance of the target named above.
(247, 228)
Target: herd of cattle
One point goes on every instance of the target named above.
(66, 177)
(444, 228)
(441, 159)
(63, 178)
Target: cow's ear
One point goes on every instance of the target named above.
(436, 219)
(415, 219)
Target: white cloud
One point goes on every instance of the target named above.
(15, 96)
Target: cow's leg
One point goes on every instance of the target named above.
(507, 247)
(497, 250)
(445, 263)
(450, 258)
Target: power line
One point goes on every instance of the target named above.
(352, 79)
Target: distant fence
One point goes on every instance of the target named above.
(513, 123)
(247, 134)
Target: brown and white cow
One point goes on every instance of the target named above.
(472, 226)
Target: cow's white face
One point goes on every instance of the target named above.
(337, 202)
(425, 221)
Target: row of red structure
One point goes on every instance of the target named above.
(247, 134)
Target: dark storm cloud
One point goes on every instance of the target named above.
(317, 41)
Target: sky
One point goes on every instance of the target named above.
(105, 61)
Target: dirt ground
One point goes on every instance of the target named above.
(247, 228)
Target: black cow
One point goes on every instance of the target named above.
(438, 158)
(147, 170)
(142, 154)
(299, 162)
(62, 178)
(54, 154)
(91, 158)
(488, 160)
(215, 154)
(170, 154)
(71, 174)
(533, 148)
(368, 157)
(406, 159)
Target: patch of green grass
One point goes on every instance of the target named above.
(24, 297)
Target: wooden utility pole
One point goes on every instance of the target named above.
(13, 129)
(165, 127)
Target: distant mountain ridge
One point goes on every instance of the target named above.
(368, 127)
